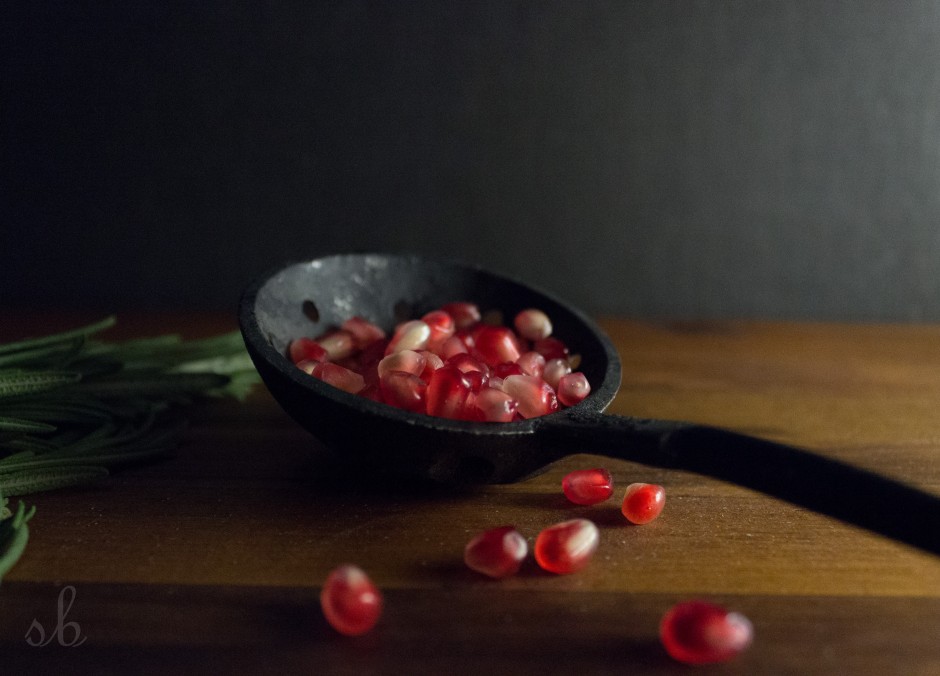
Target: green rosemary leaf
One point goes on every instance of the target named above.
(9, 424)
(35, 481)
(14, 533)
(63, 337)
(19, 383)
(157, 385)
(55, 355)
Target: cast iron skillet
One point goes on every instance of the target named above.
(304, 299)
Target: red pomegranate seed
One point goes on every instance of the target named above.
(447, 393)
(698, 632)
(573, 388)
(339, 377)
(413, 335)
(508, 368)
(451, 347)
(404, 390)
(551, 348)
(442, 326)
(554, 370)
(534, 395)
(432, 363)
(532, 364)
(307, 366)
(363, 331)
(643, 502)
(408, 361)
(338, 344)
(496, 344)
(493, 405)
(306, 349)
(372, 392)
(588, 486)
(567, 547)
(467, 363)
(351, 603)
(498, 552)
(464, 314)
(533, 324)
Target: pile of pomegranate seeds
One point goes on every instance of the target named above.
(697, 632)
(351, 603)
(450, 364)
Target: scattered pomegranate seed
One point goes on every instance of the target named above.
(534, 395)
(588, 486)
(498, 552)
(643, 502)
(698, 632)
(413, 335)
(464, 314)
(363, 331)
(339, 377)
(573, 388)
(533, 324)
(567, 547)
(351, 603)
(306, 349)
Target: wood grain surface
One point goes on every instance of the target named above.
(211, 561)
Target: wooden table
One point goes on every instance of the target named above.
(211, 562)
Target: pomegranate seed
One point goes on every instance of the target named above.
(554, 370)
(698, 632)
(493, 405)
(338, 344)
(573, 388)
(447, 393)
(408, 361)
(442, 326)
(450, 347)
(306, 349)
(339, 377)
(413, 335)
(533, 324)
(532, 364)
(404, 390)
(467, 363)
(534, 395)
(464, 314)
(498, 552)
(551, 348)
(567, 547)
(588, 486)
(372, 392)
(507, 368)
(307, 366)
(351, 603)
(496, 344)
(432, 363)
(643, 502)
(363, 331)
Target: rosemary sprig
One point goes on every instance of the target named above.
(73, 408)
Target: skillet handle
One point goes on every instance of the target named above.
(827, 486)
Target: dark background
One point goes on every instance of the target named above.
(650, 158)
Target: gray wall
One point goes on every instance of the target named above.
(649, 158)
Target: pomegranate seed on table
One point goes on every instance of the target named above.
(588, 486)
(464, 314)
(567, 547)
(339, 377)
(643, 502)
(554, 370)
(411, 335)
(698, 632)
(404, 390)
(408, 361)
(493, 405)
(496, 344)
(447, 393)
(306, 349)
(363, 331)
(533, 324)
(350, 601)
(498, 552)
(573, 388)
(534, 395)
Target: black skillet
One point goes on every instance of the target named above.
(304, 299)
